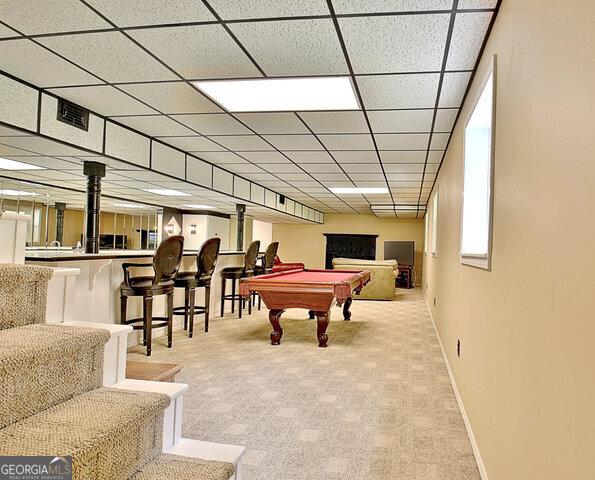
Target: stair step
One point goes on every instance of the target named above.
(42, 365)
(23, 294)
(175, 467)
(110, 433)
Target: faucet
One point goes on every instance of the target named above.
(55, 243)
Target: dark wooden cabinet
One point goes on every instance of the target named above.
(349, 245)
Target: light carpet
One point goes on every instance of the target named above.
(376, 404)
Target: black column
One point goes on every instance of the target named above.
(60, 207)
(95, 172)
(241, 209)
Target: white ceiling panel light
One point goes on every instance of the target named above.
(129, 205)
(282, 94)
(17, 193)
(201, 207)
(166, 192)
(6, 164)
(358, 190)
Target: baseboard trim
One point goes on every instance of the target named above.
(480, 465)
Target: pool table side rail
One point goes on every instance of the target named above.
(341, 290)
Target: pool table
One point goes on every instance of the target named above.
(314, 290)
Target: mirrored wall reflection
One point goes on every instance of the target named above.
(58, 218)
(128, 226)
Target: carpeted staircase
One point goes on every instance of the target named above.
(52, 401)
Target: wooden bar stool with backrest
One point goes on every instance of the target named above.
(166, 263)
(266, 267)
(236, 273)
(190, 281)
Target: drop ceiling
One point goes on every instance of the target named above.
(134, 62)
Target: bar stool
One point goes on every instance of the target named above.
(266, 267)
(166, 263)
(190, 281)
(236, 273)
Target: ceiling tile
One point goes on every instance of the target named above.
(321, 168)
(282, 168)
(362, 167)
(234, 10)
(192, 144)
(109, 55)
(336, 122)
(347, 142)
(273, 123)
(453, 88)
(265, 157)
(439, 141)
(154, 125)
(399, 91)
(6, 32)
(400, 141)
(292, 177)
(355, 156)
(242, 168)
(50, 16)
(213, 124)
(293, 47)
(477, 4)
(467, 37)
(294, 142)
(377, 6)
(180, 47)
(435, 156)
(39, 145)
(240, 143)
(411, 177)
(445, 118)
(403, 156)
(394, 121)
(409, 43)
(151, 12)
(309, 157)
(332, 177)
(221, 157)
(35, 64)
(171, 97)
(404, 168)
(104, 99)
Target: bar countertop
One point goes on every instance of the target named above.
(49, 255)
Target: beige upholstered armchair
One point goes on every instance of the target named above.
(382, 276)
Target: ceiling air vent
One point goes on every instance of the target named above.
(73, 114)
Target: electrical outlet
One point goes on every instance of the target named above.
(458, 348)
(434, 301)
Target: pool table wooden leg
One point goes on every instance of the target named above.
(277, 333)
(323, 321)
(346, 312)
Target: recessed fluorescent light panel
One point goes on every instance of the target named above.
(17, 193)
(282, 94)
(166, 192)
(6, 164)
(355, 190)
(129, 205)
(200, 207)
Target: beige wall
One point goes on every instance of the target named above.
(527, 327)
(307, 244)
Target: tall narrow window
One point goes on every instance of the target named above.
(427, 233)
(476, 226)
(434, 249)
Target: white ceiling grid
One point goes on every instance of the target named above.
(134, 61)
